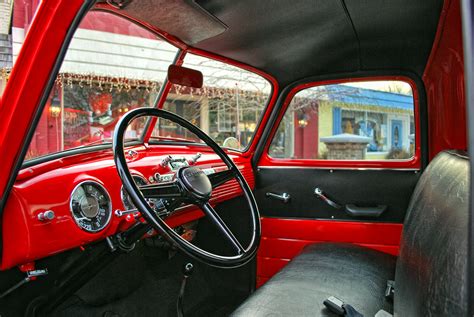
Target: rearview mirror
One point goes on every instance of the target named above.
(185, 76)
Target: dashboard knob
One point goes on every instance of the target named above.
(166, 161)
(46, 215)
(196, 157)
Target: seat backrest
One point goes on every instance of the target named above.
(431, 274)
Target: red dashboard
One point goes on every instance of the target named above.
(48, 187)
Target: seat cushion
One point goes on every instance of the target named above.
(355, 274)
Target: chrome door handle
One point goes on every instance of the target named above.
(285, 197)
(318, 192)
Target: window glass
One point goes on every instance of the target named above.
(112, 66)
(228, 107)
(371, 120)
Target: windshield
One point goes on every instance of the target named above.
(111, 66)
(228, 107)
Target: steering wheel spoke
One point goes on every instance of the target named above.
(222, 227)
(220, 178)
(166, 191)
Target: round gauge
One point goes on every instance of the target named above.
(91, 206)
(127, 201)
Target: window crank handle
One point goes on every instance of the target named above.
(318, 192)
(285, 197)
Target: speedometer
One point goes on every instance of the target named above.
(91, 206)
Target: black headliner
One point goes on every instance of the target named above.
(296, 39)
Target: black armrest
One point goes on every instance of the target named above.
(373, 211)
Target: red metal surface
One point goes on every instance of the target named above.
(29, 76)
(444, 82)
(49, 186)
(283, 239)
(267, 160)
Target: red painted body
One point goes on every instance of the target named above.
(444, 83)
(49, 186)
(283, 239)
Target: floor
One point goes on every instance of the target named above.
(146, 282)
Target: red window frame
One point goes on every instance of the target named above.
(414, 163)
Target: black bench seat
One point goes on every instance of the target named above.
(355, 274)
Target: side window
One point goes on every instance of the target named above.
(371, 120)
(111, 67)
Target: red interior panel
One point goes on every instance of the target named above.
(283, 239)
(444, 82)
(48, 186)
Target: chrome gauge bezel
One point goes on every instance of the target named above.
(109, 211)
(122, 189)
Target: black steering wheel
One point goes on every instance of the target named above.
(192, 186)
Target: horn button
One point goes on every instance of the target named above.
(195, 181)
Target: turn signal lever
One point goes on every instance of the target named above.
(188, 269)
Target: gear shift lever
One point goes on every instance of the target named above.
(188, 269)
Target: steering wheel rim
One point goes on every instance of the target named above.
(187, 177)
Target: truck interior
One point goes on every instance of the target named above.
(243, 158)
